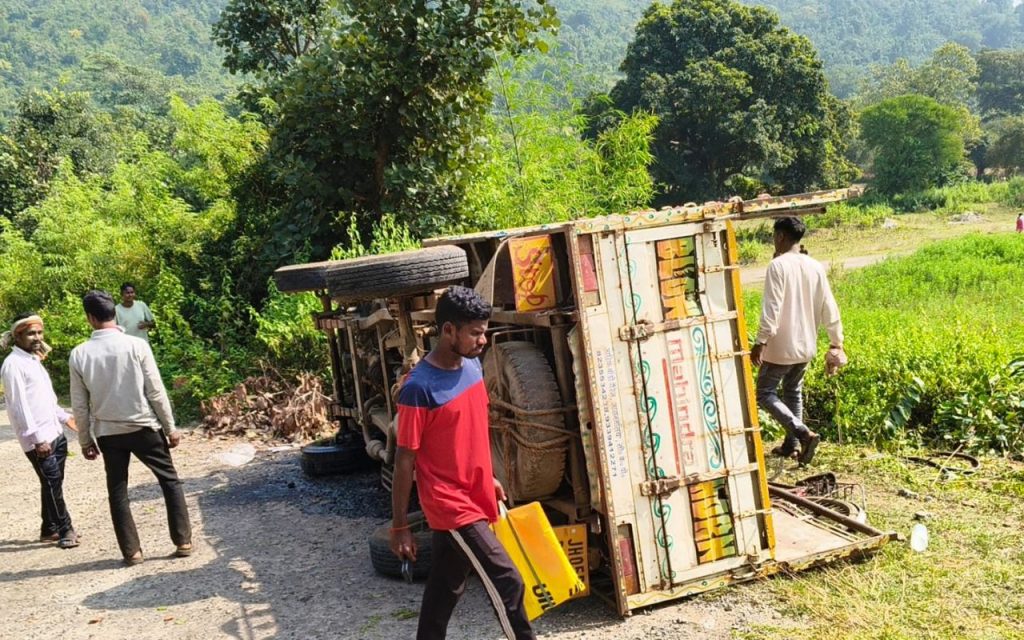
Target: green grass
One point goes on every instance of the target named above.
(934, 332)
(967, 584)
(855, 228)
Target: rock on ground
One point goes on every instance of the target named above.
(276, 556)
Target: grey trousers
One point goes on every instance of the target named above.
(788, 410)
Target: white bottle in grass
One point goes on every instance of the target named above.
(919, 538)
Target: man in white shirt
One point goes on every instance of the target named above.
(797, 301)
(38, 421)
(120, 401)
(133, 315)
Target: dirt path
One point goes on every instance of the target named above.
(752, 276)
(277, 556)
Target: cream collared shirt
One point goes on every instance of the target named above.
(797, 301)
(116, 387)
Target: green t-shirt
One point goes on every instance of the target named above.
(130, 317)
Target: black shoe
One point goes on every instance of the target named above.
(780, 452)
(809, 445)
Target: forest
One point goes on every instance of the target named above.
(194, 147)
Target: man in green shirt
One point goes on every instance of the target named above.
(133, 315)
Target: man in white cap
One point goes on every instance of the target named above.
(38, 421)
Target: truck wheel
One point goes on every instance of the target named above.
(387, 563)
(529, 460)
(380, 276)
(331, 456)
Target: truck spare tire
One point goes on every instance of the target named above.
(336, 455)
(387, 563)
(379, 276)
(529, 452)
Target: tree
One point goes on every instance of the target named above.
(383, 114)
(743, 103)
(949, 77)
(1006, 151)
(1001, 81)
(540, 169)
(49, 128)
(918, 143)
(268, 36)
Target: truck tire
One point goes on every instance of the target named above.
(380, 276)
(332, 456)
(519, 374)
(387, 563)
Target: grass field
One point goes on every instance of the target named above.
(912, 231)
(968, 583)
(905, 316)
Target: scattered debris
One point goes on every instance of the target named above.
(907, 493)
(268, 407)
(924, 515)
(967, 217)
(238, 455)
(949, 463)
(889, 223)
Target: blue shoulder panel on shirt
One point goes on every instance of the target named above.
(430, 387)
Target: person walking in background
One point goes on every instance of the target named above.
(797, 301)
(37, 420)
(120, 401)
(1020, 223)
(443, 433)
(133, 315)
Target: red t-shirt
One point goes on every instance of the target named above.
(442, 416)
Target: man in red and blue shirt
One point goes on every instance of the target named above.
(443, 434)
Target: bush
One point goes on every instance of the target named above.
(960, 197)
(933, 350)
(847, 214)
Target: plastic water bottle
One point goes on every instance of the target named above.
(919, 538)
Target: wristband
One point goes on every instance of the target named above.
(397, 529)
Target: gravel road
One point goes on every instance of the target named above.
(277, 556)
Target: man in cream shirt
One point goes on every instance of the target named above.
(133, 315)
(797, 301)
(122, 408)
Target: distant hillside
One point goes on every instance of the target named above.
(41, 41)
(849, 34)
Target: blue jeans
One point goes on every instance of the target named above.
(50, 471)
(789, 409)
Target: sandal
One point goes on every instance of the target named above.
(134, 559)
(183, 550)
(68, 541)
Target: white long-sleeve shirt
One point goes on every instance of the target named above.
(116, 387)
(31, 402)
(797, 300)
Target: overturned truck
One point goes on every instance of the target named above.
(620, 386)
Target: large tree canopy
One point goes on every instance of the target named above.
(949, 77)
(918, 142)
(1001, 82)
(743, 103)
(380, 114)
